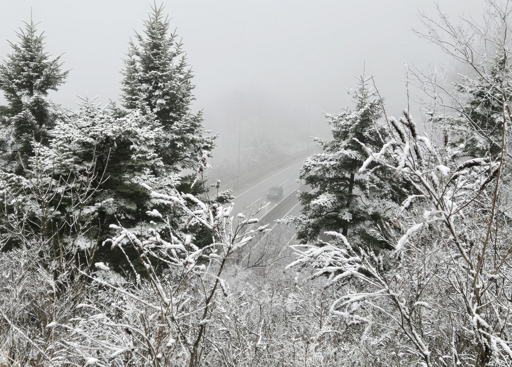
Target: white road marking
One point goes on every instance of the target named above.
(289, 211)
(255, 201)
(246, 191)
(281, 184)
(287, 243)
(284, 248)
(271, 229)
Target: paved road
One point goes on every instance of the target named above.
(252, 198)
(271, 247)
(289, 206)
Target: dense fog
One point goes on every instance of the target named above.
(265, 71)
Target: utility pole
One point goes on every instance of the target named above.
(239, 143)
(309, 118)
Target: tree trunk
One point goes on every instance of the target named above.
(349, 200)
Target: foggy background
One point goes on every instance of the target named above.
(265, 71)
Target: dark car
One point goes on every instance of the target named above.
(275, 193)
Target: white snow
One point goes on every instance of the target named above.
(445, 171)
(102, 266)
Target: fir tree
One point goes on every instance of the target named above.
(158, 80)
(340, 199)
(26, 77)
(96, 151)
(477, 128)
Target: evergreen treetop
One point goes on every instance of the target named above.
(477, 127)
(29, 70)
(158, 80)
(156, 75)
(26, 77)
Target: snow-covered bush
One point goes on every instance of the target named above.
(441, 296)
(96, 153)
(81, 311)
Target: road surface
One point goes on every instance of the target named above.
(252, 198)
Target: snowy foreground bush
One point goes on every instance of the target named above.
(60, 308)
(443, 295)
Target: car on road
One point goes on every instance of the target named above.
(275, 193)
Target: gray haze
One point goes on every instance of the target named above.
(262, 68)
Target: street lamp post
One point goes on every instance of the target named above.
(239, 143)
(309, 119)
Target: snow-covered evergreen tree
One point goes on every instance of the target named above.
(157, 79)
(340, 199)
(101, 152)
(26, 77)
(477, 127)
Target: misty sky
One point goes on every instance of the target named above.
(300, 54)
